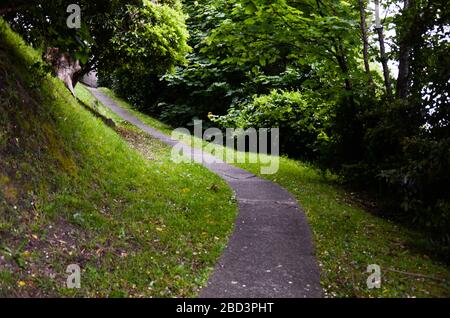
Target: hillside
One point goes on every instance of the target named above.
(73, 191)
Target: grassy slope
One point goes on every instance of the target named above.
(73, 191)
(348, 238)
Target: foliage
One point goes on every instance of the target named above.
(206, 84)
(149, 38)
(202, 85)
(407, 165)
(148, 41)
(43, 24)
(301, 118)
(113, 34)
(299, 65)
(395, 148)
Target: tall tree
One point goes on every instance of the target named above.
(384, 60)
(112, 34)
(365, 39)
(405, 47)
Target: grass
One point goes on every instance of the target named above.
(348, 238)
(74, 191)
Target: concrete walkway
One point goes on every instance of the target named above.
(270, 254)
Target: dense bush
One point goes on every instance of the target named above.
(204, 87)
(408, 166)
(299, 116)
(205, 84)
(152, 38)
(420, 182)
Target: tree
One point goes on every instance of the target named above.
(365, 39)
(383, 56)
(97, 44)
(140, 51)
(404, 52)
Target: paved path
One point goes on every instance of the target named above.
(270, 254)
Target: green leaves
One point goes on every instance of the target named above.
(264, 32)
(301, 116)
(249, 7)
(150, 37)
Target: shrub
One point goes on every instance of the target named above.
(151, 39)
(406, 163)
(300, 117)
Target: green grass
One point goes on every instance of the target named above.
(348, 238)
(74, 191)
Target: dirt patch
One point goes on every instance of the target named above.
(138, 141)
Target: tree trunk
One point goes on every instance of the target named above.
(362, 10)
(65, 67)
(404, 56)
(384, 60)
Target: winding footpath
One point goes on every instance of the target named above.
(270, 253)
